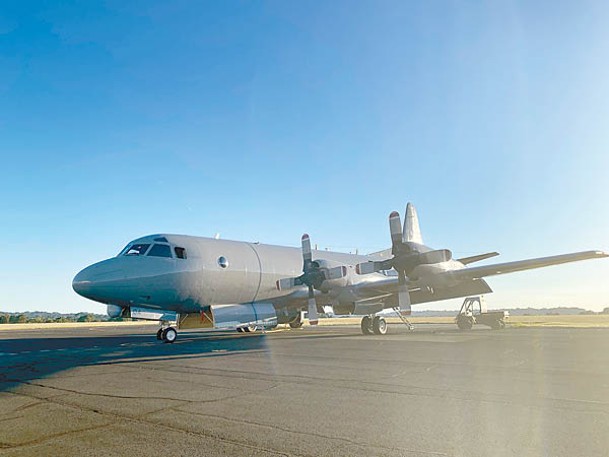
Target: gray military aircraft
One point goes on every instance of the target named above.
(213, 283)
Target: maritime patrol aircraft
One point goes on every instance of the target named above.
(212, 283)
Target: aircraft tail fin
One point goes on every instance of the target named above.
(412, 231)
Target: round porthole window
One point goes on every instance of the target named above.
(222, 262)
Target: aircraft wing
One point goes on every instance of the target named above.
(521, 265)
(421, 293)
(467, 281)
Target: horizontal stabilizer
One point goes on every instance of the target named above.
(477, 258)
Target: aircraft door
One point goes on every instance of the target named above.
(232, 271)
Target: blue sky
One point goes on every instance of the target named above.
(263, 120)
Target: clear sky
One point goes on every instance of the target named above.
(263, 120)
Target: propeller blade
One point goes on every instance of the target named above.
(403, 295)
(336, 272)
(307, 255)
(368, 267)
(286, 283)
(395, 227)
(313, 318)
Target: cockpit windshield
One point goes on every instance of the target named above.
(156, 249)
(136, 249)
(160, 250)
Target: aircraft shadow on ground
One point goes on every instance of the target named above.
(26, 359)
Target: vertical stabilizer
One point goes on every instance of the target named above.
(411, 231)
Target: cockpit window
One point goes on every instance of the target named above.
(161, 239)
(137, 249)
(180, 252)
(160, 250)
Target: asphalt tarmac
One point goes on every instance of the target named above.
(311, 392)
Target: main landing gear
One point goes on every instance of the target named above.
(374, 325)
(167, 334)
(377, 325)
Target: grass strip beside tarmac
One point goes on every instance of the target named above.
(563, 321)
(50, 325)
(572, 321)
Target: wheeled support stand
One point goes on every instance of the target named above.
(406, 322)
(474, 311)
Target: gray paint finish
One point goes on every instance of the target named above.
(224, 272)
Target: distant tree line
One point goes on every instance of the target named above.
(40, 318)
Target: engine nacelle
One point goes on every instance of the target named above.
(329, 284)
(256, 314)
(437, 256)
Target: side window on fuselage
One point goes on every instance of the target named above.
(180, 252)
(160, 250)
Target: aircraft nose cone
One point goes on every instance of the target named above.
(106, 281)
(82, 282)
(94, 279)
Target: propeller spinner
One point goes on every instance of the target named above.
(313, 275)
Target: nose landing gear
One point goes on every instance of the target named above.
(167, 334)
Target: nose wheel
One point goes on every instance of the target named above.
(167, 334)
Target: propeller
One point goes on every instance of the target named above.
(314, 273)
(407, 254)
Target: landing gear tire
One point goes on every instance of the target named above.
(169, 335)
(465, 323)
(240, 329)
(366, 325)
(159, 334)
(379, 325)
(249, 329)
(496, 325)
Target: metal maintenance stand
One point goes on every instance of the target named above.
(406, 322)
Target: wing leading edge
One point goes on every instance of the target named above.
(521, 265)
